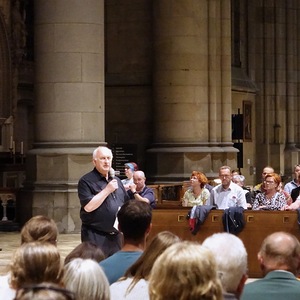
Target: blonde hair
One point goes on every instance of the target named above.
(184, 271)
(39, 228)
(86, 279)
(34, 263)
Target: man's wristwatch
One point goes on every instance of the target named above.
(135, 193)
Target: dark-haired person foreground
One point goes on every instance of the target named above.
(279, 259)
(86, 250)
(134, 219)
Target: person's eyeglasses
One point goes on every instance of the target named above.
(224, 176)
(40, 287)
(269, 182)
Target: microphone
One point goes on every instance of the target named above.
(112, 174)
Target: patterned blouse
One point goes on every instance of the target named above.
(277, 201)
(190, 200)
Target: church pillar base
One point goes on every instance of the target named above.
(174, 163)
(51, 186)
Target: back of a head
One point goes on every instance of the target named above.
(134, 219)
(231, 258)
(86, 279)
(142, 267)
(185, 270)
(280, 251)
(34, 263)
(44, 291)
(39, 228)
(86, 250)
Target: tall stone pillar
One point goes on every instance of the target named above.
(69, 108)
(192, 89)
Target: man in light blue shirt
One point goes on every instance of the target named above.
(227, 194)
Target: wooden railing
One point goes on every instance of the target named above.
(259, 224)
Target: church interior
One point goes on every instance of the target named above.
(175, 86)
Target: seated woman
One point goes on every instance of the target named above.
(33, 263)
(134, 284)
(86, 279)
(271, 198)
(197, 194)
(185, 270)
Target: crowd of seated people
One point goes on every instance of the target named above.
(165, 267)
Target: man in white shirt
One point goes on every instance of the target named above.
(227, 194)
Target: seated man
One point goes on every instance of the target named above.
(279, 259)
(227, 194)
(139, 191)
(231, 262)
(134, 219)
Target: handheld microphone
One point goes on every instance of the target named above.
(112, 174)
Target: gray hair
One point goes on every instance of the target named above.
(231, 257)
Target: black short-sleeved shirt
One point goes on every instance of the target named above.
(104, 216)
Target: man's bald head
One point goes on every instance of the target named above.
(280, 251)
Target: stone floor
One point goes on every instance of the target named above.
(9, 241)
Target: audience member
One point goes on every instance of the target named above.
(240, 180)
(185, 270)
(101, 194)
(227, 193)
(39, 228)
(231, 262)
(86, 279)
(130, 168)
(33, 263)
(86, 250)
(44, 291)
(134, 284)
(197, 194)
(295, 182)
(235, 172)
(270, 199)
(259, 187)
(134, 219)
(279, 259)
(139, 191)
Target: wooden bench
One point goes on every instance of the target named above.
(259, 224)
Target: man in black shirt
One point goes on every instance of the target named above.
(101, 195)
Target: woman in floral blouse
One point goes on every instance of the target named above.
(271, 198)
(197, 194)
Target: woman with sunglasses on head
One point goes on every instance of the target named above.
(197, 194)
(271, 198)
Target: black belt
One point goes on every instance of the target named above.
(99, 231)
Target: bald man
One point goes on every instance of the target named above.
(279, 259)
(139, 191)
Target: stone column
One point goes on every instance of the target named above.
(69, 108)
(192, 88)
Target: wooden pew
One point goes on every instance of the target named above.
(259, 224)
